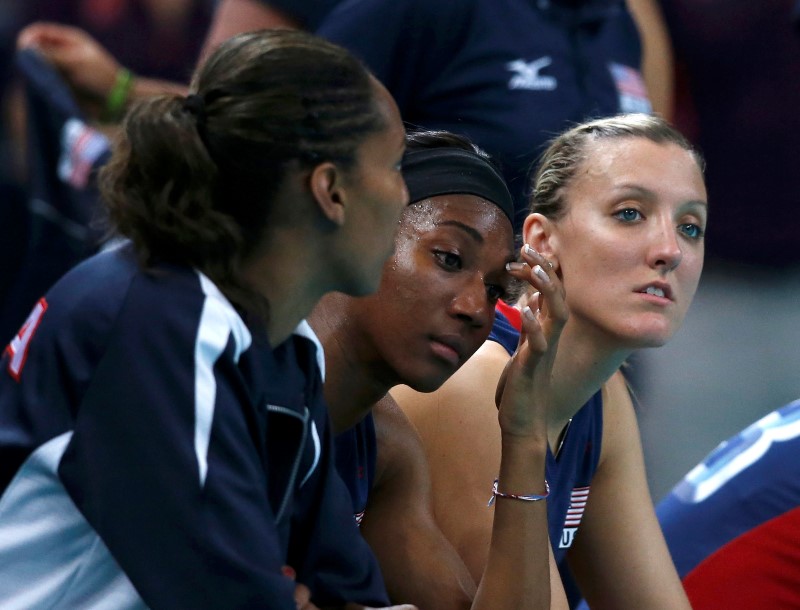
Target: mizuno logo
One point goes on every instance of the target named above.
(527, 74)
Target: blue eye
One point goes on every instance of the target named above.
(692, 231)
(628, 215)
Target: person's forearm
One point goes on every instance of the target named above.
(517, 572)
(119, 97)
(147, 87)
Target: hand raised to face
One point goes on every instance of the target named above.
(523, 390)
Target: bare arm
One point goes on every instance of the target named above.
(459, 430)
(92, 71)
(419, 565)
(619, 558)
(88, 68)
(458, 424)
(657, 57)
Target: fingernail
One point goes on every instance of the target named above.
(529, 313)
(515, 266)
(541, 273)
(529, 250)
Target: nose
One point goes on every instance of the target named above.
(665, 251)
(471, 304)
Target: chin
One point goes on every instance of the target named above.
(653, 331)
(653, 338)
(428, 383)
(647, 336)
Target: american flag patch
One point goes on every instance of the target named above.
(81, 146)
(577, 504)
(630, 88)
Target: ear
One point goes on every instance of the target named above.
(326, 183)
(539, 231)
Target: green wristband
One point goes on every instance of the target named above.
(118, 96)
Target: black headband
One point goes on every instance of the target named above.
(445, 171)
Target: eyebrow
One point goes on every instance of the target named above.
(464, 227)
(647, 193)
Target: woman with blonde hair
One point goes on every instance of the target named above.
(619, 211)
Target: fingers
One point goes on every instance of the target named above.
(302, 598)
(532, 332)
(89, 69)
(550, 307)
(302, 594)
(44, 34)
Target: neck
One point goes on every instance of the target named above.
(356, 378)
(277, 272)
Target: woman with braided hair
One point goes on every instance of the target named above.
(163, 438)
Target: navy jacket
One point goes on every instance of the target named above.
(154, 453)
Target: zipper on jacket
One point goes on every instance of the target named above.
(304, 417)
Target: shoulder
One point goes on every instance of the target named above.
(102, 297)
(468, 394)
(505, 329)
(616, 396)
(458, 423)
(620, 426)
(399, 446)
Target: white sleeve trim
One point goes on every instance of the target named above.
(218, 321)
(304, 330)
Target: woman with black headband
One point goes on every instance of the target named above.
(434, 308)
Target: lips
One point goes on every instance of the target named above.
(449, 348)
(660, 290)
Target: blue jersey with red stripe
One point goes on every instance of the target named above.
(745, 482)
(758, 569)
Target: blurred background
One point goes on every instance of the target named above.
(737, 357)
